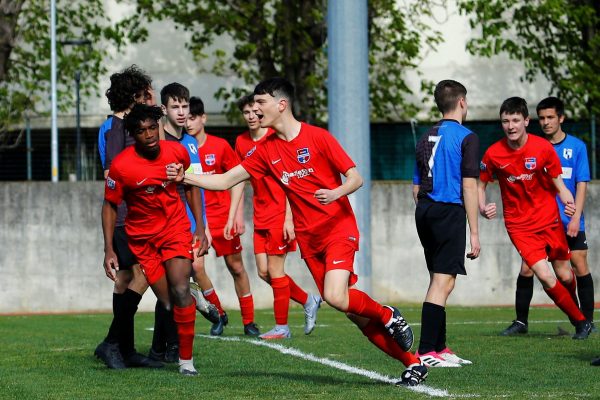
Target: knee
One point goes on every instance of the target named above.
(180, 292)
(336, 299)
(198, 266)
(236, 269)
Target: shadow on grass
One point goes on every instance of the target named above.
(312, 378)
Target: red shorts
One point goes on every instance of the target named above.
(338, 254)
(550, 243)
(222, 246)
(271, 242)
(152, 253)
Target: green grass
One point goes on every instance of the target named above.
(50, 357)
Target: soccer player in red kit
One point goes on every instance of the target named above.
(157, 225)
(274, 233)
(528, 171)
(307, 163)
(217, 156)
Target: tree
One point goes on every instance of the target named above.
(289, 38)
(557, 39)
(25, 56)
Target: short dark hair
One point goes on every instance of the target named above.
(124, 86)
(514, 105)
(447, 93)
(552, 102)
(276, 87)
(196, 106)
(140, 113)
(175, 91)
(245, 101)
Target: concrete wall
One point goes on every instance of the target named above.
(51, 252)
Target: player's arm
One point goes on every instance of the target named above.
(353, 182)
(224, 181)
(470, 195)
(565, 196)
(580, 193)
(487, 210)
(109, 218)
(415, 193)
(288, 225)
(194, 200)
(235, 218)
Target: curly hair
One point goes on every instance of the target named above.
(140, 113)
(245, 101)
(124, 86)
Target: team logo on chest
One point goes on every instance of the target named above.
(303, 155)
(568, 154)
(209, 159)
(530, 163)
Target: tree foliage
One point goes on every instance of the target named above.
(289, 38)
(25, 56)
(555, 38)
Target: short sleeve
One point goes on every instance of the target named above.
(335, 153)
(113, 187)
(486, 173)
(552, 162)
(469, 166)
(256, 164)
(416, 175)
(115, 143)
(582, 166)
(238, 150)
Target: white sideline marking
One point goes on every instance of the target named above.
(335, 364)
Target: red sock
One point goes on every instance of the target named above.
(247, 309)
(185, 318)
(296, 292)
(360, 303)
(211, 296)
(377, 335)
(563, 300)
(281, 299)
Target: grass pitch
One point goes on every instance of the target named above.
(51, 357)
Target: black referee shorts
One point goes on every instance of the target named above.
(442, 230)
(124, 255)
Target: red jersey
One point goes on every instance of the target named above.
(153, 203)
(216, 157)
(525, 178)
(268, 199)
(311, 161)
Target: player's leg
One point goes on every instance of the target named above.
(178, 270)
(281, 297)
(565, 274)
(260, 254)
(523, 296)
(200, 276)
(585, 283)
(235, 265)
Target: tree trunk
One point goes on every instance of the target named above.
(9, 14)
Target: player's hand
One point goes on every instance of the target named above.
(208, 236)
(288, 230)
(150, 97)
(200, 243)
(326, 196)
(489, 211)
(238, 225)
(573, 227)
(175, 172)
(475, 247)
(111, 265)
(229, 231)
(570, 209)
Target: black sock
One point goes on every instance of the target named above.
(159, 339)
(131, 300)
(523, 297)
(585, 290)
(441, 342)
(171, 330)
(432, 317)
(115, 330)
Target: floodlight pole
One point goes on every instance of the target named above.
(348, 106)
(54, 129)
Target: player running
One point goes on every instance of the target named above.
(307, 161)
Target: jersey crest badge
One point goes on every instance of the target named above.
(482, 166)
(192, 148)
(303, 155)
(110, 183)
(530, 163)
(209, 159)
(568, 154)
